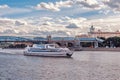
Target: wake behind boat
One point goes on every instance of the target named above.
(47, 50)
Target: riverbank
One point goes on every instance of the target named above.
(101, 49)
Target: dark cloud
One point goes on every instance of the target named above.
(72, 26)
(113, 4)
(89, 4)
(18, 23)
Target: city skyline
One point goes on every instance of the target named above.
(57, 17)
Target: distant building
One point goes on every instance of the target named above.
(83, 36)
(99, 33)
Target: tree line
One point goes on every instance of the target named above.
(110, 42)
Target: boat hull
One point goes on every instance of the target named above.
(68, 54)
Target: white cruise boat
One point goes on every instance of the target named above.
(47, 50)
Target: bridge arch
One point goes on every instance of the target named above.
(70, 44)
(59, 43)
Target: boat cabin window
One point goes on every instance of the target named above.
(51, 46)
(39, 46)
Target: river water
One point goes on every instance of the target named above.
(83, 65)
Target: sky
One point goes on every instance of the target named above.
(57, 17)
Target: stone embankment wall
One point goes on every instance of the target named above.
(100, 49)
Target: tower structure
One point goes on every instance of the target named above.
(49, 38)
(91, 32)
(92, 29)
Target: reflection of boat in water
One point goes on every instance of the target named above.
(47, 50)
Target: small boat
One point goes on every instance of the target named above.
(47, 50)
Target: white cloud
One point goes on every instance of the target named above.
(73, 26)
(11, 26)
(54, 6)
(58, 24)
(90, 4)
(4, 6)
(94, 4)
(46, 18)
(76, 20)
(19, 23)
(64, 4)
(113, 4)
(68, 3)
(104, 5)
(48, 6)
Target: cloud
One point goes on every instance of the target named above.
(46, 18)
(64, 4)
(113, 4)
(48, 6)
(23, 27)
(60, 23)
(67, 26)
(12, 26)
(104, 6)
(13, 22)
(76, 20)
(94, 4)
(6, 22)
(47, 23)
(90, 4)
(72, 26)
(68, 3)
(18, 23)
(4, 6)
(53, 6)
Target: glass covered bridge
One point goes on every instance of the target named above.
(18, 42)
(12, 39)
